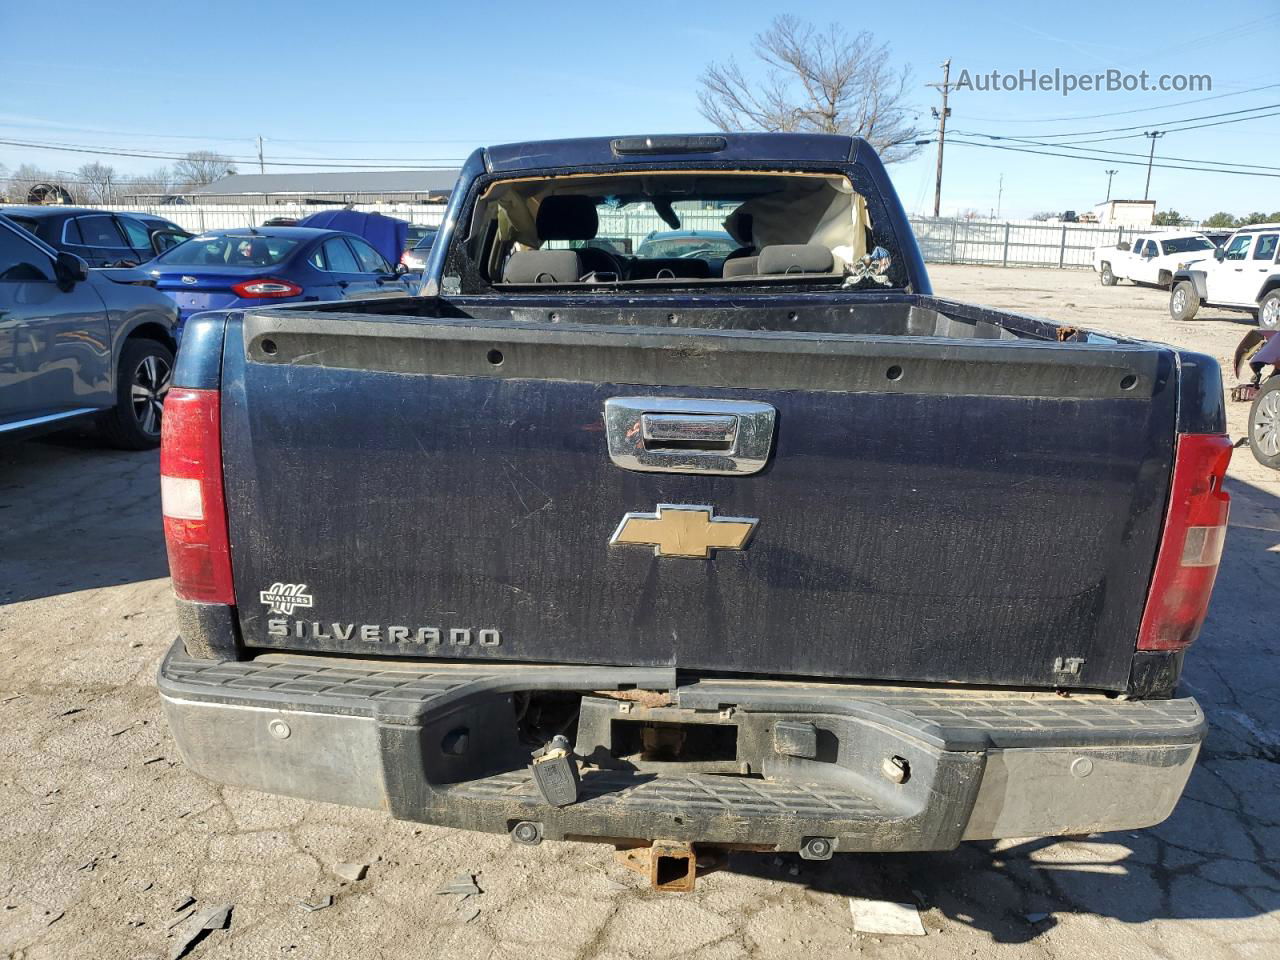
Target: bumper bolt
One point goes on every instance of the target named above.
(895, 769)
(817, 848)
(527, 833)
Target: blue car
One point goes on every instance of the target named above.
(258, 267)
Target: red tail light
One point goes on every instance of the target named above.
(1194, 531)
(195, 514)
(269, 287)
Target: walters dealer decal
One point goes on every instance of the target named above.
(285, 597)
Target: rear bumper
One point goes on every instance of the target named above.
(820, 758)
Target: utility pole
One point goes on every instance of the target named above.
(262, 167)
(999, 195)
(1152, 135)
(1110, 174)
(942, 115)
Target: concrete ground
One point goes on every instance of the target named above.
(103, 832)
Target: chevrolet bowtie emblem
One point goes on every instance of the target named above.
(677, 530)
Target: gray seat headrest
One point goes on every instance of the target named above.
(741, 267)
(567, 218)
(784, 258)
(542, 266)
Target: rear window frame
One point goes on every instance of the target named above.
(461, 267)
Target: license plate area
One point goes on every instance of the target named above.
(622, 735)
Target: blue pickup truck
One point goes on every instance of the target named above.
(766, 548)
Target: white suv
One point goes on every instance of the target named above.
(1244, 274)
(1151, 259)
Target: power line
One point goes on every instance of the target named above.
(341, 163)
(1140, 126)
(1127, 163)
(1118, 153)
(210, 138)
(1117, 113)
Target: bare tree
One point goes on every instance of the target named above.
(160, 182)
(202, 167)
(97, 183)
(815, 80)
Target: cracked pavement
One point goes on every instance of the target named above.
(103, 832)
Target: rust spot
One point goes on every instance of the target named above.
(670, 865)
(646, 698)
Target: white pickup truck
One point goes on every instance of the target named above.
(1152, 259)
(1242, 274)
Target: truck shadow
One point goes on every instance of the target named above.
(1216, 858)
(75, 515)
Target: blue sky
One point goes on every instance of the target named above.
(429, 81)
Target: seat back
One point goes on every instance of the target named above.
(542, 266)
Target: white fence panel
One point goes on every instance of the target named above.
(1013, 243)
(942, 240)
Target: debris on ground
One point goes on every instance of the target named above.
(322, 904)
(463, 885)
(886, 917)
(216, 917)
(183, 903)
(351, 871)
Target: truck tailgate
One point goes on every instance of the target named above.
(931, 509)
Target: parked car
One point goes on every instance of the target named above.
(1151, 259)
(1217, 237)
(79, 344)
(1242, 275)
(99, 237)
(417, 233)
(414, 259)
(684, 244)
(800, 558)
(269, 265)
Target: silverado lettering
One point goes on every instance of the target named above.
(280, 627)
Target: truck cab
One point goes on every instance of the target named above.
(1151, 259)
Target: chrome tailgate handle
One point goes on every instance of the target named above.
(714, 431)
(682, 435)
